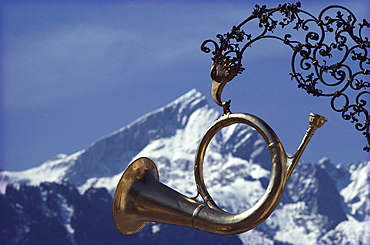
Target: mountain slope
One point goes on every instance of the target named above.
(168, 135)
(110, 155)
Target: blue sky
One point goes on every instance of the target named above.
(75, 71)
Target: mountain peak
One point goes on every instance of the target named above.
(110, 155)
(182, 107)
(190, 98)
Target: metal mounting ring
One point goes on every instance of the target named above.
(275, 188)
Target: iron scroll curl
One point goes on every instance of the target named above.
(330, 59)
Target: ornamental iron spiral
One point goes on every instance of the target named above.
(331, 61)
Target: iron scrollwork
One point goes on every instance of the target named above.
(312, 59)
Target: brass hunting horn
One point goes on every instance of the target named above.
(141, 198)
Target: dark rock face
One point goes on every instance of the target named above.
(313, 186)
(57, 214)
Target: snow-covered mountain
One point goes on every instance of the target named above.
(169, 136)
(323, 203)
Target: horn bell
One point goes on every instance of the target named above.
(140, 197)
(123, 201)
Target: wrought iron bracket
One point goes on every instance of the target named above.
(331, 60)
